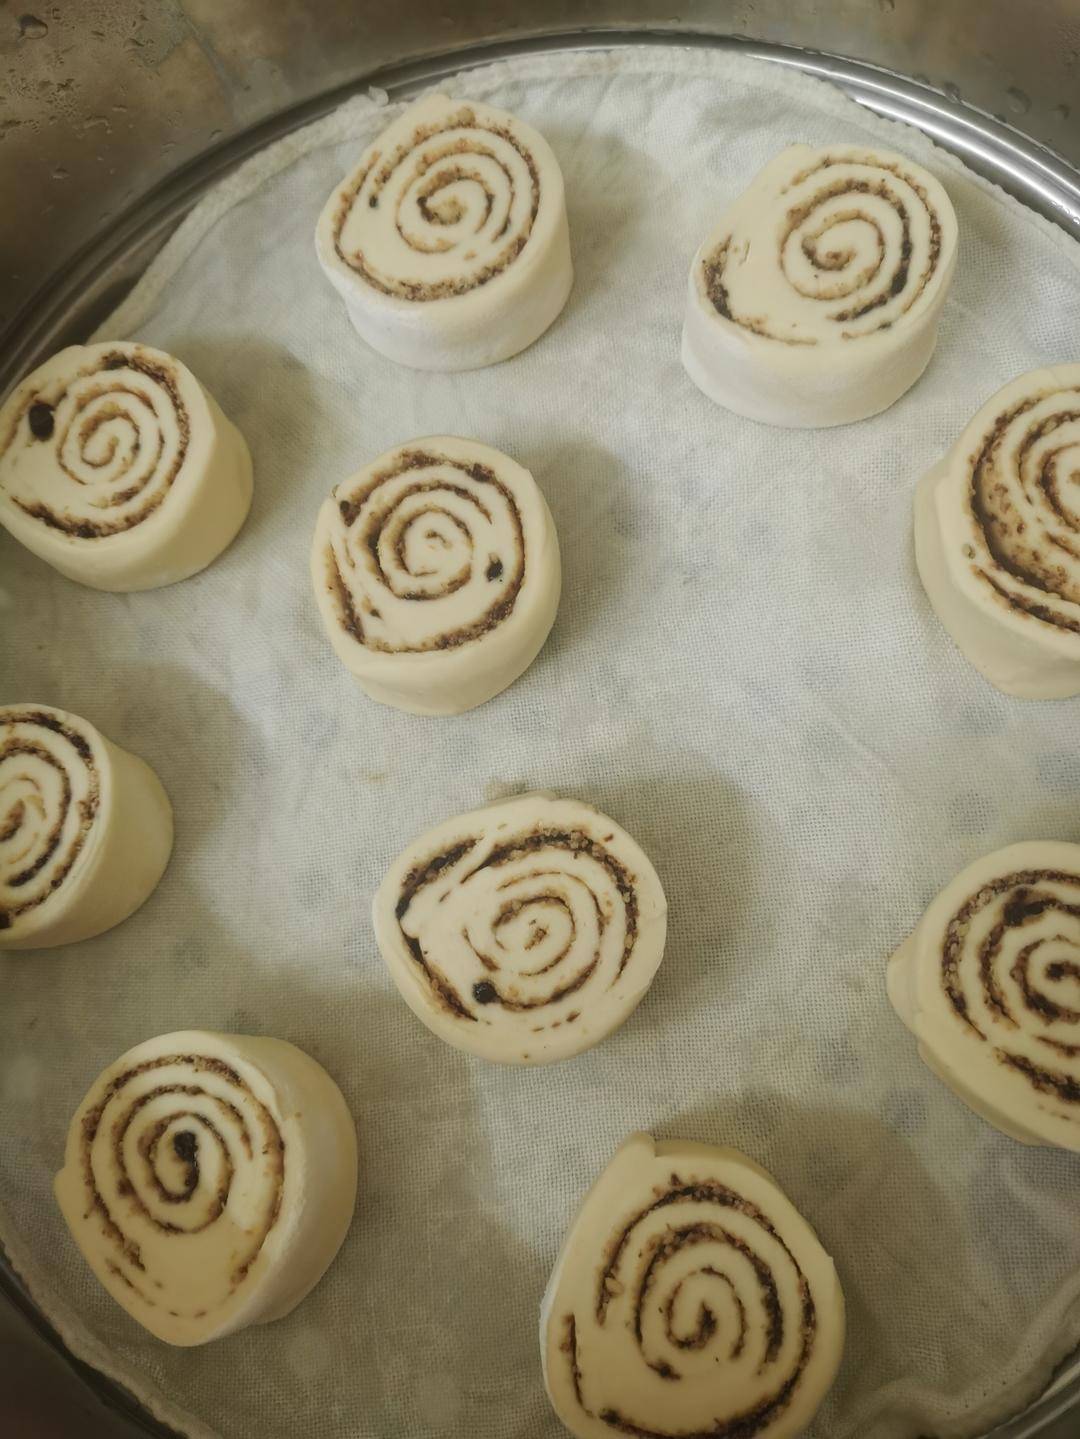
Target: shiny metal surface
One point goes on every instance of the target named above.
(114, 117)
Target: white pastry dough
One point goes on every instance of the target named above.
(816, 299)
(119, 470)
(436, 571)
(690, 1300)
(449, 242)
(525, 932)
(209, 1181)
(85, 829)
(989, 984)
(997, 536)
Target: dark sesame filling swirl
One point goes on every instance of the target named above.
(96, 453)
(163, 1149)
(445, 212)
(50, 796)
(856, 240)
(1024, 506)
(700, 1288)
(1010, 972)
(523, 932)
(428, 554)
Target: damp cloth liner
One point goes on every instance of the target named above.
(745, 674)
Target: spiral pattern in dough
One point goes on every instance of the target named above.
(436, 571)
(209, 1180)
(690, 1300)
(443, 211)
(1025, 505)
(990, 984)
(422, 529)
(854, 240)
(449, 241)
(1010, 969)
(997, 536)
(117, 432)
(816, 299)
(162, 1151)
(524, 932)
(50, 796)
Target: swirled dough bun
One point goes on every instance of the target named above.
(85, 829)
(449, 242)
(690, 1299)
(436, 572)
(209, 1181)
(525, 932)
(997, 536)
(816, 299)
(989, 984)
(119, 470)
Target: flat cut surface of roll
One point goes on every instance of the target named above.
(209, 1181)
(437, 576)
(85, 829)
(989, 984)
(816, 299)
(449, 241)
(119, 470)
(691, 1300)
(525, 932)
(997, 536)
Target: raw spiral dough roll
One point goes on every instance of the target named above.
(525, 932)
(690, 1301)
(989, 984)
(997, 536)
(816, 299)
(449, 242)
(209, 1181)
(436, 571)
(119, 470)
(85, 829)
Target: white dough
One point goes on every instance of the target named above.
(119, 470)
(997, 536)
(816, 299)
(989, 984)
(85, 829)
(209, 1181)
(449, 242)
(690, 1298)
(525, 932)
(436, 572)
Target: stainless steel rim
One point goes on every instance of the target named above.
(99, 275)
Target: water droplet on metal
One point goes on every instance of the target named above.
(59, 173)
(887, 4)
(31, 28)
(1019, 103)
(953, 92)
(1062, 111)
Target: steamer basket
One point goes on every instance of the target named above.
(117, 115)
